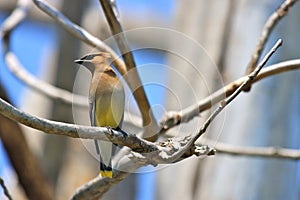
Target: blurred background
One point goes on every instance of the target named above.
(225, 34)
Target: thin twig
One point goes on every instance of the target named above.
(267, 29)
(267, 152)
(245, 84)
(5, 190)
(133, 78)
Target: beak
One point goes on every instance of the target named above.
(78, 61)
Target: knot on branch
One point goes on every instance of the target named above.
(171, 118)
(171, 151)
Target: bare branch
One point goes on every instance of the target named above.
(268, 152)
(245, 84)
(134, 80)
(5, 190)
(267, 29)
(173, 118)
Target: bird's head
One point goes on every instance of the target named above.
(94, 60)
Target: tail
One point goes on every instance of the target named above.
(104, 150)
(105, 171)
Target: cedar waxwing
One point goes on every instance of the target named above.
(106, 102)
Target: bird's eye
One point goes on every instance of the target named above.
(90, 57)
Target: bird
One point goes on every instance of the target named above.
(106, 103)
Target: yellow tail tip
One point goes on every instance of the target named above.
(104, 174)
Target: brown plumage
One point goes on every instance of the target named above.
(106, 101)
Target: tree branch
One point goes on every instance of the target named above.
(245, 84)
(86, 132)
(267, 152)
(267, 29)
(133, 78)
(173, 118)
(76, 131)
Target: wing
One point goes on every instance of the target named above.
(92, 106)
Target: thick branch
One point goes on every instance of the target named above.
(101, 133)
(76, 131)
(267, 29)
